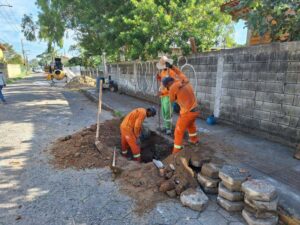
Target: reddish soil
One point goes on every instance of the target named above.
(141, 181)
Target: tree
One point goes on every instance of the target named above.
(33, 63)
(281, 18)
(11, 56)
(135, 28)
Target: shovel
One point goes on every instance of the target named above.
(116, 170)
(98, 144)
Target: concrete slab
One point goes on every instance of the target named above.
(207, 181)
(259, 190)
(210, 170)
(230, 206)
(262, 206)
(233, 196)
(233, 177)
(194, 199)
(252, 220)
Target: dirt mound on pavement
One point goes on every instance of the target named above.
(81, 81)
(141, 181)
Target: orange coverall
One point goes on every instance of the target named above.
(184, 95)
(174, 73)
(130, 130)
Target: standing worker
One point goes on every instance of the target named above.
(168, 70)
(184, 95)
(131, 129)
(2, 84)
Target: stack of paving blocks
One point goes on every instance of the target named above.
(209, 178)
(230, 195)
(261, 203)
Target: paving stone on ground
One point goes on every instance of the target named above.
(207, 181)
(230, 206)
(198, 161)
(230, 195)
(259, 190)
(195, 199)
(210, 170)
(233, 176)
(252, 220)
(212, 218)
(263, 206)
(260, 214)
(213, 191)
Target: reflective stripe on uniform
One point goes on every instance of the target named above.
(193, 134)
(124, 152)
(167, 120)
(178, 146)
(137, 156)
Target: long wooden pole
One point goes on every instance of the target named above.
(99, 110)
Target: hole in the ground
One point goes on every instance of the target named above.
(155, 147)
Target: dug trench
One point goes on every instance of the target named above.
(141, 181)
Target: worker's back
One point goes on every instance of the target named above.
(184, 95)
(131, 119)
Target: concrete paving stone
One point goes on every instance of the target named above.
(259, 190)
(237, 223)
(260, 214)
(233, 176)
(263, 206)
(194, 199)
(230, 195)
(230, 206)
(207, 181)
(232, 187)
(212, 218)
(197, 160)
(212, 191)
(231, 216)
(210, 170)
(189, 221)
(251, 220)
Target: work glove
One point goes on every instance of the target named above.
(168, 65)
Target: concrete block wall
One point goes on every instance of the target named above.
(255, 88)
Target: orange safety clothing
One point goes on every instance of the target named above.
(184, 95)
(174, 73)
(130, 130)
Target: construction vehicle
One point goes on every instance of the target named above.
(55, 71)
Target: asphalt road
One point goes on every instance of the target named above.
(32, 192)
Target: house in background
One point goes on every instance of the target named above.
(237, 12)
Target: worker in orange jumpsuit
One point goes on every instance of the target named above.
(131, 128)
(184, 95)
(168, 70)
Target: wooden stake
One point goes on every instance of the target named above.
(99, 110)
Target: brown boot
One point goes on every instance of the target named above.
(297, 152)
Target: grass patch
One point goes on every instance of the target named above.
(12, 80)
(117, 114)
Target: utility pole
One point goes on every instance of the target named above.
(23, 53)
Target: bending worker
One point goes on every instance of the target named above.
(184, 95)
(131, 129)
(168, 70)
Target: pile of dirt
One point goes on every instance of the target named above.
(142, 181)
(81, 81)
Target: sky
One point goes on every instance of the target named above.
(10, 31)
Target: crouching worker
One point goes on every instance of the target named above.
(184, 95)
(131, 129)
